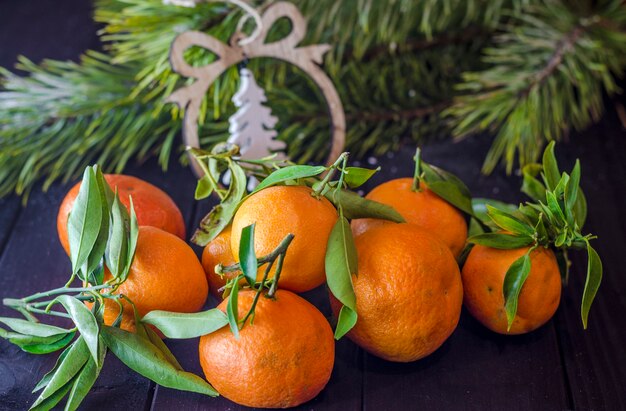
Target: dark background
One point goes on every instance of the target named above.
(559, 366)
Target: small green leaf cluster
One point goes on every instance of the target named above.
(101, 234)
(553, 219)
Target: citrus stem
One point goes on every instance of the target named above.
(418, 171)
(279, 268)
(281, 249)
(331, 172)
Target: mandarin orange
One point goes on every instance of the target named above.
(408, 292)
(152, 206)
(278, 211)
(164, 275)
(483, 279)
(423, 208)
(283, 359)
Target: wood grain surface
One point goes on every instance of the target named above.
(559, 366)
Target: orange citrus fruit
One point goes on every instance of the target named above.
(278, 211)
(483, 279)
(164, 275)
(408, 292)
(423, 208)
(218, 252)
(152, 206)
(283, 359)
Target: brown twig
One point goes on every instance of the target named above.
(565, 45)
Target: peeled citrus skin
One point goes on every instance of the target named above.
(153, 206)
(423, 208)
(483, 279)
(285, 358)
(408, 292)
(278, 211)
(165, 275)
(218, 252)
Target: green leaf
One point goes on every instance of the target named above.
(531, 186)
(341, 264)
(555, 208)
(49, 402)
(94, 272)
(501, 241)
(116, 253)
(232, 310)
(132, 239)
(204, 188)
(49, 347)
(449, 187)
(183, 325)
(551, 173)
(345, 322)
(48, 376)
(84, 221)
(247, 255)
(508, 222)
(479, 207)
(85, 322)
(357, 176)
(85, 380)
(289, 173)
(355, 206)
(572, 187)
(70, 365)
(32, 328)
(580, 209)
(514, 280)
(160, 345)
(221, 215)
(592, 283)
(143, 357)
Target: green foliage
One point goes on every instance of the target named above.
(544, 68)
(101, 232)
(546, 73)
(553, 219)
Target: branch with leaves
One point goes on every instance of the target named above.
(545, 65)
(101, 235)
(553, 219)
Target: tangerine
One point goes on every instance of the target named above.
(152, 206)
(165, 275)
(483, 279)
(423, 208)
(278, 211)
(408, 292)
(283, 359)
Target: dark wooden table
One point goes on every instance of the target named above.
(559, 366)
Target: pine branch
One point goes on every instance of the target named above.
(546, 75)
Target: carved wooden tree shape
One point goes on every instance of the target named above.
(252, 126)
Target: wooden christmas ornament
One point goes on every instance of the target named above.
(240, 48)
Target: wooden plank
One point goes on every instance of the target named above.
(595, 359)
(10, 209)
(343, 391)
(34, 261)
(475, 367)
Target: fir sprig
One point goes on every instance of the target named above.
(394, 75)
(547, 72)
